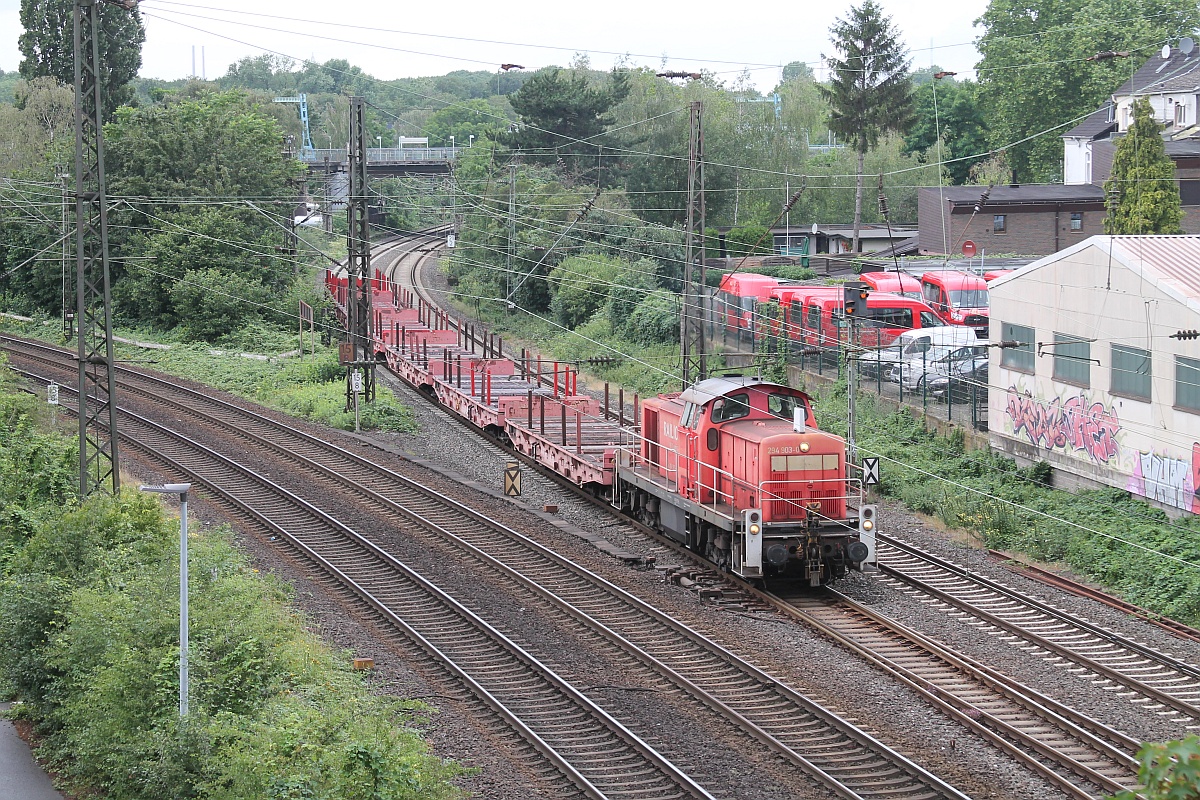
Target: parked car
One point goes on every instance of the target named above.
(913, 373)
(968, 382)
(911, 344)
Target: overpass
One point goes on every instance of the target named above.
(389, 161)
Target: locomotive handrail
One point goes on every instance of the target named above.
(632, 457)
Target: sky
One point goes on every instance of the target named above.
(389, 42)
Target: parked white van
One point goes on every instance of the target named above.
(912, 344)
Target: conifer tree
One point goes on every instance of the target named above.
(870, 89)
(1143, 178)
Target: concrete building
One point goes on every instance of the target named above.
(1031, 220)
(1097, 386)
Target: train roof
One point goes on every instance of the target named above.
(711, 389)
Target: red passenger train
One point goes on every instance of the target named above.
(734, 468)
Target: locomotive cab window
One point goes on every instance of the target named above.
(784, 406)
(690, 415)
(735, 406)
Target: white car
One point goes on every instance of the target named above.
(913, 373)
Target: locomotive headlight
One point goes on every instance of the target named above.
(804, 447)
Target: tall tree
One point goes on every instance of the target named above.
(1034, 75)
(947, 110)
(870, 89)
(560, 110)
(48, 47)
(1143, 177)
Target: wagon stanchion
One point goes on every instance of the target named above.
(529, 408)
(563, 409)
(542, 414)
(607, 415)
(620, 407)
(578, 432)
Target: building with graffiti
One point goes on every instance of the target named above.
(1095, 372)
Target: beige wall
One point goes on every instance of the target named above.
(1151, 449)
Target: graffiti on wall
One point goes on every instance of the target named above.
(1069, 424)
(1167, 479)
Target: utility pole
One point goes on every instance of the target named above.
(512, 228)
(99, 466)
(358, 260)
(691, 321)
(291, 242)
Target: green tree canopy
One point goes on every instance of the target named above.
(870, 90)
(1034, 74)
(560, 109)
(47, 45)
(462, 120)
(956, 118)
(1143, 178)
(217, 144)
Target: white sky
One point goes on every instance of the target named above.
(723, 38)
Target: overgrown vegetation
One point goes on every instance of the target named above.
(89, 644)
(1106, 534)
(312, 387)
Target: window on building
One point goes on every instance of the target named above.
(1189, 193)
(1072, 360)
(1020, 357)
(1180, 113)
(1131, 372)
(1000, 223)
(1187, 383)
(1077, 221)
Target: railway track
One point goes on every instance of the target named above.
(1152, 678)
(819, 744)
(1079, 754)
(597, 755)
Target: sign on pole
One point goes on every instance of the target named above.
(356, 381)
(306, 315)
(512, 479)
(450, 240)
(968, 249)
(52, 394)
(870, 471)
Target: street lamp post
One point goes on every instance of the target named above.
(380, 140)
(180, 489)
(451, 145)
(471, 140)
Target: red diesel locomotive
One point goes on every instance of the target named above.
(736, 469)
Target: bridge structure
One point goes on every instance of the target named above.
(385, 161)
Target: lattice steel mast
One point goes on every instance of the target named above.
(358, 260)
(691, 319)
(99, 465)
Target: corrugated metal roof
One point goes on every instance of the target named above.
(1171, 261)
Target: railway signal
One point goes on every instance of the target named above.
(854, 298)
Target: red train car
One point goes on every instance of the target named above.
(736, 469)
(895, 282)
(960, 298)
(813, 316)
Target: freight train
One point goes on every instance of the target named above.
(735, 468)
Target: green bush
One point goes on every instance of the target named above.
(1107, 534)
(89, 643)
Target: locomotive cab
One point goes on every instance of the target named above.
(752, 482)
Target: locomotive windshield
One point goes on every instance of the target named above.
(784, 406)
(735, 406)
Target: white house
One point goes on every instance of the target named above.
(1100, 383)
(1172, 85)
